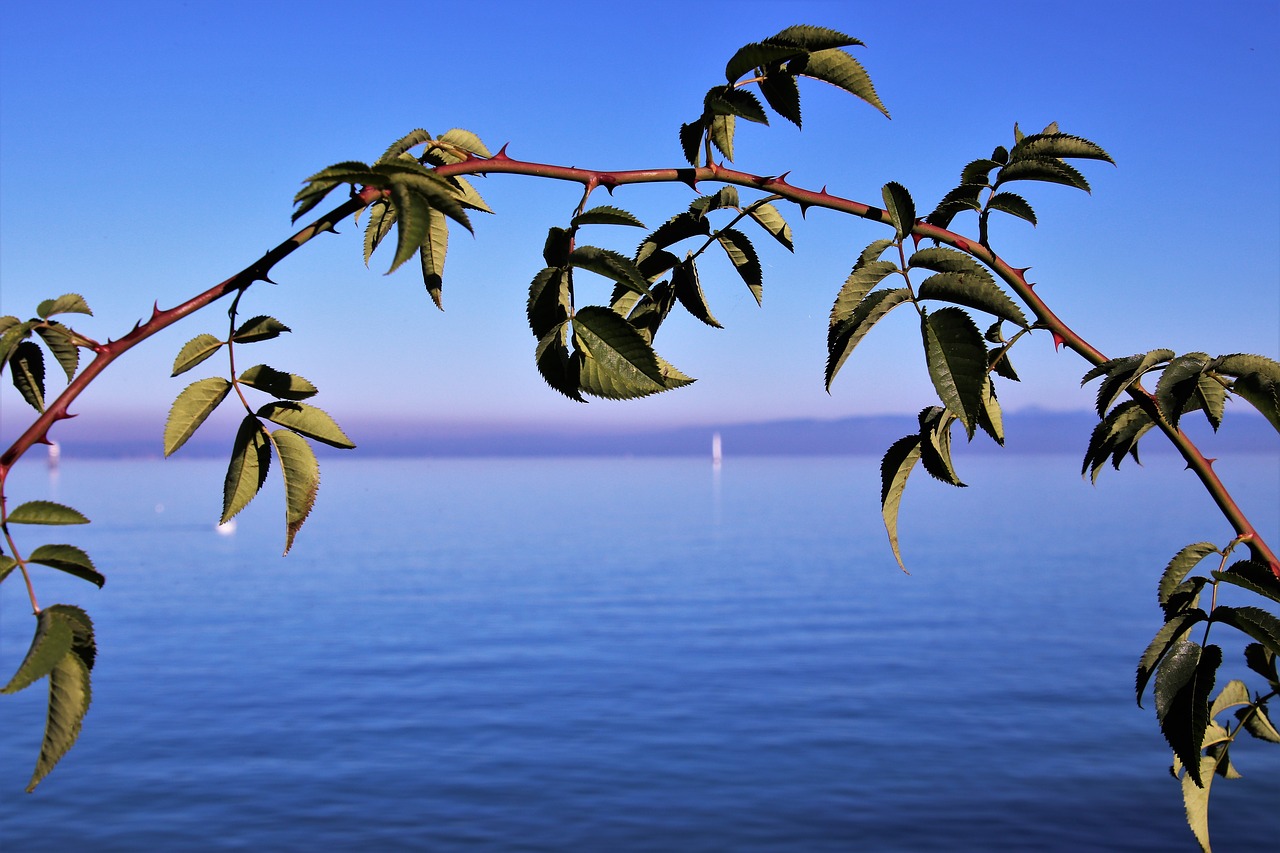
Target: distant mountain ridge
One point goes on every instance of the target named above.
(1029, 431)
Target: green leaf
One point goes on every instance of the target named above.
(813, 38)
(1183, 684)
(195, 351)
(7, 565)
(285, 385)
(1013, 204)
(648, 312)
(68, 303)
(744, 259)
(998, 359)
(26, 369)
(688, 289)
(1212, 398)
(1046, 170)
(56, 338)
(381, 217)
(844, 336)
(935, 444)
(1057, 145)
(1254, 576)
(307, 420)
(840, 70)
(722, 131)
(466, 140)
(1161, 644)
(1258, 723)
(767, 217)
(605, 215)
(554, 363)
(14, 333)
(611, 265)
(1115, 436)
(866, 274)
(615, 360)
(51, 643)
(725, 197)
(691, 141)
(1179, 384)
(319, 185)
(1195, 799)
(550, 300)
(45, 512)
(990, 418)
(247, 470)
(896, 465)
(872, 252)
(260, 328)
(404, 143)
(682, 226)
(902, 210)
(301, 480)
(196, 402)
(411, 184)
(1262, 662)
(1254, 621)
(974, 290)
(432, 253)
(757, 55)
(978, 172)
(1232, 695)
(781, 92)
(728, 101)
(1180, 566)
(413, 219)
(1123, 373)
(467, 194)
(1258, 381)
(957, 360)
(958, 200)
(69, 559)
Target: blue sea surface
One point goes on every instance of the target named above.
(623, 655)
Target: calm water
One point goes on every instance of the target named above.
(622, 655)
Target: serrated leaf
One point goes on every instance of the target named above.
(68, 303)
(26, 369)
(935, 445)
(767, 217)
(51, 643)
(195, 351)
(1233, 694)
(14, 333)
(1045, 170)
(782, 93)
(1262, 662)
(259, 328)
(196, 402)
(841, 70)
(649, 312)
(611, 265)
(744, 259)
(554, 363)
(863, 277)
(688, 290)
(288, 386)
(682, 226)
(1212, 398)
(958, 200)
(7, 565)
(728, 101)
(381, 217)
(755, 55)
(1183, 684)
(813, 38)
(895, 467)
(1123, 372)
(301, 474)
(404, 143)
(307, 420)
(247, 470)
(605, 215)
(432, 253)
(1195, 799)
(1180, 566)
(990, 418)
(1254, 576)
(467, 194)
(723, 129)
(973, 290)
(1257, 722)
(1057, 145)
(413, 218)
(872, 252)
(617, 363)
(844, 336)
(725, 197)
(466, 140)
(1013, 204)
(1178, 384)
(1115, 437)
(45, 512)
(69, 559)
(998, 359)
(978, 172)
(902, 210)
(691, 141)
(550, 300)
(957, 360)
(1253, 621)
(411, 185)
(67, 354)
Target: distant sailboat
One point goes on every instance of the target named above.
(715, 449)
(55, 455)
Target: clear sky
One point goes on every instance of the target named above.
(148, 150)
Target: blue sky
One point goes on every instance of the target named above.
(148, 150)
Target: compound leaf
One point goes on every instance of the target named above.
(845, 335)
(957, 360)
(1160, 645)
(611, 265)
(756, 55)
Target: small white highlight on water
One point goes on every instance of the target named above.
(226, 528)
